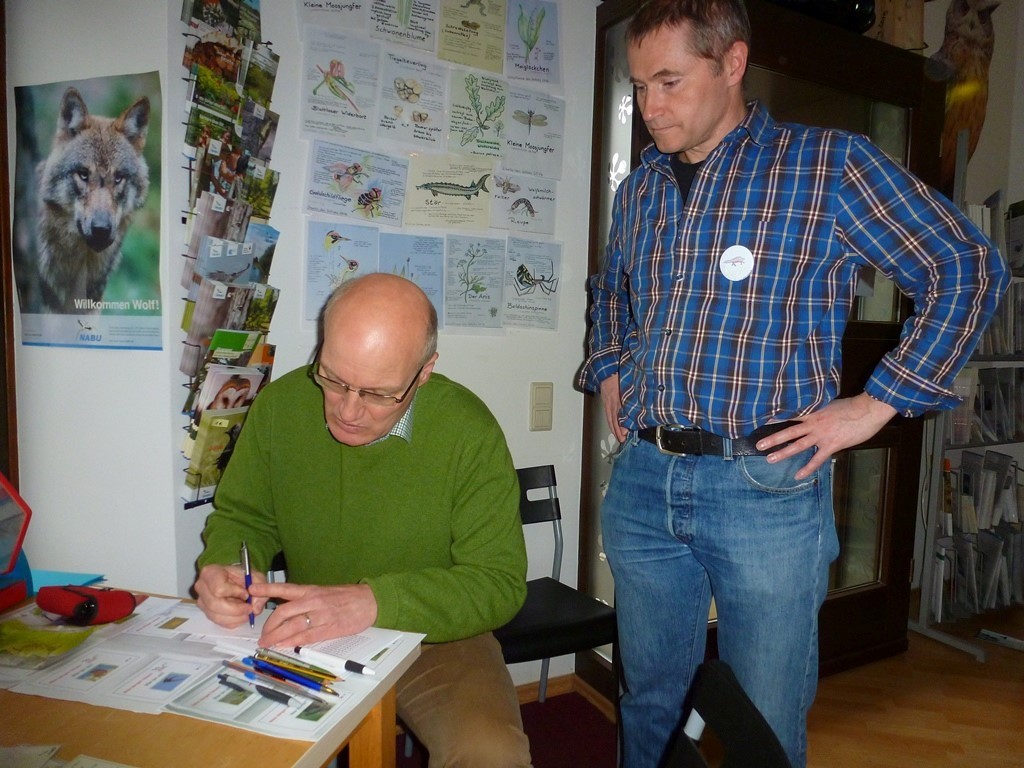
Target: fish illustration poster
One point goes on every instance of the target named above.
(335, 252)
(522, 203)
(532, 272)
(448, 193)
(412, 103)
(344, 181)
(474, 272)
(534, 133)
(339, 85)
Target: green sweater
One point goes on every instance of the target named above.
(431, 525)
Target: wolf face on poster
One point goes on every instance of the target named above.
(87, 212)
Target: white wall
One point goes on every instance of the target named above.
(99, 430)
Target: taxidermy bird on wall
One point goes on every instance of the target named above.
(963, 62)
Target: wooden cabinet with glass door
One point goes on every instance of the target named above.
(801, 69)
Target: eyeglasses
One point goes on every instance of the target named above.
(337, 387)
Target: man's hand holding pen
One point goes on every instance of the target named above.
(222, 596)
(306, 613)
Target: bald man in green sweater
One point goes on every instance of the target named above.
(392, 494)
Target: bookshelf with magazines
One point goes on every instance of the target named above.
(973, 557)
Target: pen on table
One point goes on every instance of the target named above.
(295, 665)
(295, 677)
(333, 663)
(247, 569)
(236, 684)
(285, 686)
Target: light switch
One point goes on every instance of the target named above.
(542, 404)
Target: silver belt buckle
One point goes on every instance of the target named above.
(657, 441)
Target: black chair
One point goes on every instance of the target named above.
(555, 619)
(717, 700)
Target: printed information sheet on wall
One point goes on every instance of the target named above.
(339, 89)
(87, 261)
(473, 293)
(532, 271)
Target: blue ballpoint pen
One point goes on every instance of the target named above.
(272, 669)
(247, 569)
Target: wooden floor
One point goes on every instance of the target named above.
(933, 706)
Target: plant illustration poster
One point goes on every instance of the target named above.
(477, 114)
(531, 42)
(475, 268)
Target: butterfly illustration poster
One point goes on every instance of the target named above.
(449, 193)
(534, 133)
(522, 203)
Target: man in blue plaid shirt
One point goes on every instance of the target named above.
(718, 318)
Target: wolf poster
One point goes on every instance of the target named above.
(87, 212)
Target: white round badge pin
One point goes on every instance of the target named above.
(737, 263)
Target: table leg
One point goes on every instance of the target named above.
(372, 745)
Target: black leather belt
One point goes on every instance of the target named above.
(693, 441)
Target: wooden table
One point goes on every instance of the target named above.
(157, 741)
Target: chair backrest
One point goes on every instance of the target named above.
(542, 508)
(718, 700)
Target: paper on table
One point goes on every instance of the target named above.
(189, 619)
(28, 755)
(123, 673)
(302, 719)
(372, 647)
(85, 761)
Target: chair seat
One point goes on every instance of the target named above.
(555, 620)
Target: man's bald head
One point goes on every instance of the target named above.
(379, 340)
(389, 307)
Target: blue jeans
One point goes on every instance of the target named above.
(679, 529)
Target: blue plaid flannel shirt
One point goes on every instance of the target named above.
(813, 206)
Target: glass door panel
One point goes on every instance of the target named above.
(614, 154)
(800, 101)
(859, 495)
